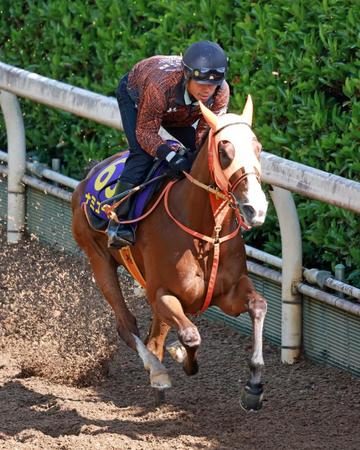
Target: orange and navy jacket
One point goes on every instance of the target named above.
(158, 88)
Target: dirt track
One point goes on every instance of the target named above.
(68, 383)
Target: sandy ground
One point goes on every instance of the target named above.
(67, 382)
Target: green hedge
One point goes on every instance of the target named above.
(299, 60)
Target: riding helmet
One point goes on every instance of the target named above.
(205, 62)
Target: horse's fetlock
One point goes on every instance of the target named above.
(256, 364)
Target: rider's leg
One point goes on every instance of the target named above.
(136, 168)
(120, 235)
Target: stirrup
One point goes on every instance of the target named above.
(116, 240)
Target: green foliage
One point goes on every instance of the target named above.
(299, 60)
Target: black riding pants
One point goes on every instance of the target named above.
(139, 161)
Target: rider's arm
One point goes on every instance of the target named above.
(151, 109)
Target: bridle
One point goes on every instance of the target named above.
(220, 188)
(229, 125)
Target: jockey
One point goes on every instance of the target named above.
(164, 91)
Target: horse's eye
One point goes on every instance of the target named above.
(226, 153)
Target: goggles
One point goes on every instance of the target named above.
(206, 74)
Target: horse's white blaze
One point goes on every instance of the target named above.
(242, 138)
(257, 200)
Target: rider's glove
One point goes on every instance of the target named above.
(177, 163)
(191, 155)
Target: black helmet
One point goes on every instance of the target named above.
(205, 62)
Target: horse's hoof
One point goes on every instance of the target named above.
(251, 398)
(191, 368)
(177, 351)
(160, 381)
(159, 395)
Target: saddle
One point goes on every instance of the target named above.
(100, 188)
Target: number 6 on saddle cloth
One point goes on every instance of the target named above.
(100, 189)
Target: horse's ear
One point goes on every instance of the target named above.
(209, 116)
(248, 110)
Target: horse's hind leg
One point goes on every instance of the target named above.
(106, 276)
(155, 344)
(105, 272)
(169, 309)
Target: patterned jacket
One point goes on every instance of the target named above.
(158, 89)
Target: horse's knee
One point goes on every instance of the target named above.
(190, 336)
(257, 306)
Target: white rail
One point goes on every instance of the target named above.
(304, 180)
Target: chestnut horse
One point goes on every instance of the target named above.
(190, 252)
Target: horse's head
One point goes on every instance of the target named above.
(234, 161)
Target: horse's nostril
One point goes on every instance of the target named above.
(248, 210)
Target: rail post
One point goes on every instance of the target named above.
(16, 165)
(291, 245)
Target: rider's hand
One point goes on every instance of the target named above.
(177, 163)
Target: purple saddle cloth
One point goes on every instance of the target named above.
(101, 187)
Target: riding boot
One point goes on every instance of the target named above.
(121, 235)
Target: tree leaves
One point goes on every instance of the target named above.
(299, 60)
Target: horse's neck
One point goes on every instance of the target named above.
(194, 200)
(200, 169)
(198, 198)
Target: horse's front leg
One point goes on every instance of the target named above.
(251, 397)
(244, 298)
(169, 309)
(156, 337)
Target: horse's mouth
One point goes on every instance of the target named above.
(253, 217)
